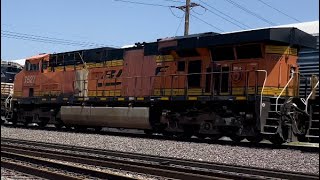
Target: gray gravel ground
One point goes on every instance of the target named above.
(281, 159)
(8, 174)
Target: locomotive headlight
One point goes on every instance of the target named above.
(249, 116)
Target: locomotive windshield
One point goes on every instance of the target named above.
(31, 67)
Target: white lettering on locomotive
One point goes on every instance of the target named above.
(29, 79)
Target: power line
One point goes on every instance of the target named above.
(181, 19)
(243, 25)
(279, 11)
(49, 38)
(200, 14)
(178, 7)
(142, 3)
(206, 23)
(250, 12)
(39, 40)
(175, 14)
(44, 39)
(51, 33)
(174, 1)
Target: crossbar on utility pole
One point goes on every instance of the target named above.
(186, 9)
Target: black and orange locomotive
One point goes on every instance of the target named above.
(241, 85)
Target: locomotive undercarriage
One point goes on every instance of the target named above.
(213, 120)
(183, 119)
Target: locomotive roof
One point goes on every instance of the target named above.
(282, 35)
(289, 36)
(37, 56)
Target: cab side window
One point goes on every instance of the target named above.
(44, 65)
(31, 67)
(27, 66)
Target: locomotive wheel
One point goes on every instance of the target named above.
(276, 139)
(202, 136)
(236, 138)
(68, 127)
(97, 129)
(59, 123)
(215, 137)
(148, 132)
(14, 123)
(186, 136)
(58, 126)
(81, 128)
(183, 136)
(43, 122)
(255, 139)
(168, 134)
(27, 121)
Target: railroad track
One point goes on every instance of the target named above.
(139, 163)
(39, 167)
(306, 147)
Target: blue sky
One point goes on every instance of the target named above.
(111, 22)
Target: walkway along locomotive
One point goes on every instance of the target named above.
(241, 85)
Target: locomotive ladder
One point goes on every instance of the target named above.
(313, 131)
(272, 121)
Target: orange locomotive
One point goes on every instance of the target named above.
(210, 85)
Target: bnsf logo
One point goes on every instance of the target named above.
(29, 79)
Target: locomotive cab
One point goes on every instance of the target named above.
(29, 79)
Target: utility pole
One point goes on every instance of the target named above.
(186, 9)
(186, 18)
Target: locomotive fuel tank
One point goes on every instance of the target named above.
(115, 117)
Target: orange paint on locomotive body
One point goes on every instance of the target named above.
(35, 80)
(169, 75)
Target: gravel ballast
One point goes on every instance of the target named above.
(281, 159)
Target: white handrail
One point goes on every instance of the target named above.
(8, 102)
(285, 87)
(264, 82)
(306, 101)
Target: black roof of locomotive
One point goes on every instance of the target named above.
(285, 36)
(289, 36)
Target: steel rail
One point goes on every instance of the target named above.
(56, 165)
(253, 171)
(127, 165)
(35, 171)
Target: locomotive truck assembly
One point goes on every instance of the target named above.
(241, 85)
